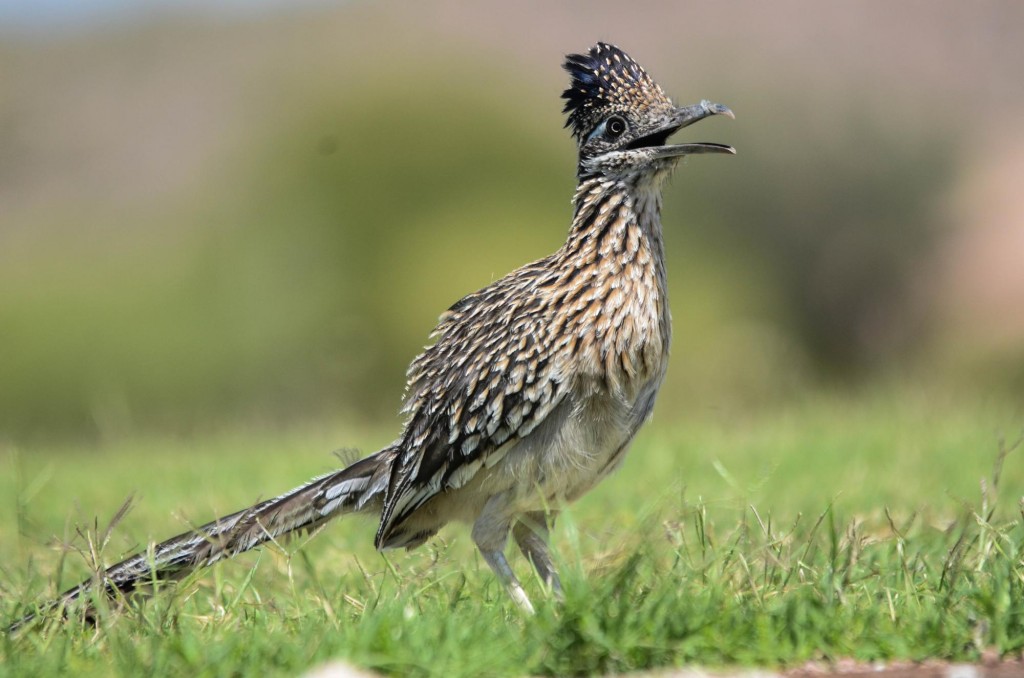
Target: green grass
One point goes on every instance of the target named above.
(877, 527)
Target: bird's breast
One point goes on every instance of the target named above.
(621, 331)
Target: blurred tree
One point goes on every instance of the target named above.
(843, 215)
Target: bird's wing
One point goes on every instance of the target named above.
(491, 377)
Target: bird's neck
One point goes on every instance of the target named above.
(617, 225)
(611, 284)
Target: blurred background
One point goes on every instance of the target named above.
(253, 212)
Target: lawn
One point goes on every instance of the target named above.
(879, 526)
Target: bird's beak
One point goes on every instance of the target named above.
(685, 116)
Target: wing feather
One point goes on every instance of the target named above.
(486, 381)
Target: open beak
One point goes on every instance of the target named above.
(685, 116)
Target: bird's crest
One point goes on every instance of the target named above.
(606, 80)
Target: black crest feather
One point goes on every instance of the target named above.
(606, 80)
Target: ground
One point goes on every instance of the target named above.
(844, 532)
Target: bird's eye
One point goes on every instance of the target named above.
(615, 127)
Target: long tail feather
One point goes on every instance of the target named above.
(352, 489)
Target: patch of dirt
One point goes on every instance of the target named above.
(991, 666)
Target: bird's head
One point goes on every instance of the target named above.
(622, 119)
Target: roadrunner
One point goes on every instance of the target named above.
(534, 386)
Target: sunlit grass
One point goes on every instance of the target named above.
(872, 527)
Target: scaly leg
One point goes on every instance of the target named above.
(531, 534)
(490, 534)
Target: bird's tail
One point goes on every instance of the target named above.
(353, 489)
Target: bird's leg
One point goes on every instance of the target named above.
(490, 534)
(531, 534)
(498, 563)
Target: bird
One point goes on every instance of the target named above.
(534, 386)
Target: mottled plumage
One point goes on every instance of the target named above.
(534, 386)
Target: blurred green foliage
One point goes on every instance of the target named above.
(302, 273)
